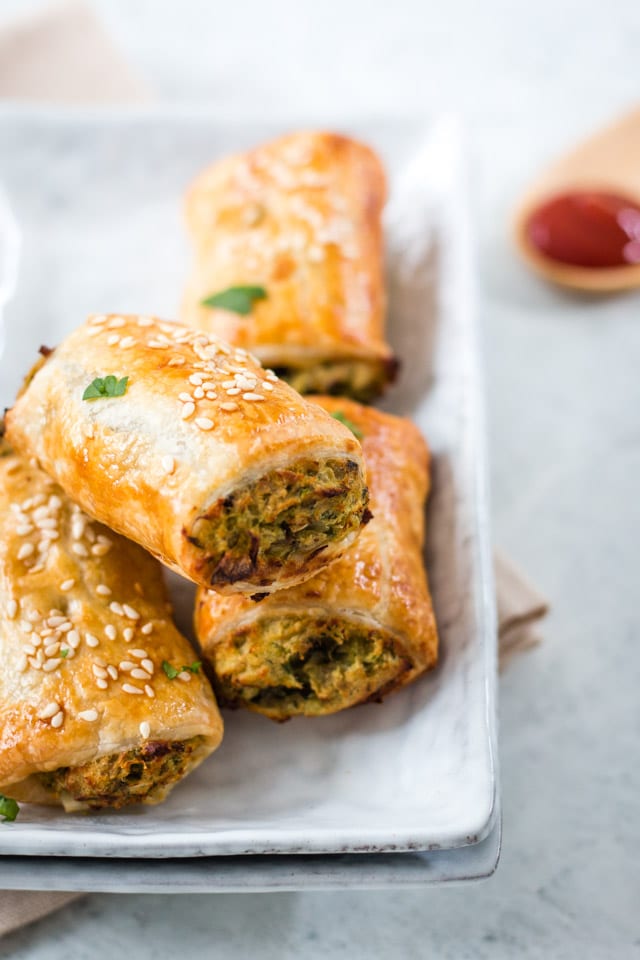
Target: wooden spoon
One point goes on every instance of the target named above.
(608, 162)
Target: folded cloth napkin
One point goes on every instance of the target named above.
(63, 54)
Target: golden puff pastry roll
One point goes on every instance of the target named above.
(362, 627)
(190, 448)
(88, 716)
(296, 225)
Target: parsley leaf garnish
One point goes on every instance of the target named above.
(64, 653)
(108, 386)
(339, 415)
(237, 299)
(173, 672)
(8, 809)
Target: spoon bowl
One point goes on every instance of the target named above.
(607, 163)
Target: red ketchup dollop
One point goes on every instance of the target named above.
(587, 229)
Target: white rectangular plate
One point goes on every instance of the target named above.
(98, 201)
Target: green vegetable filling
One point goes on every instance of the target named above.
(282, 519)
(361, 380)
(284, 665)
(132, 776)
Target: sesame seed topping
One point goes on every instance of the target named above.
(12, 609)
(147, 664)
(148, 689)
(113, 673)
(195, 379)
(130, 612)
(146, 629)
(49, 665)
(185, 397)
(252, 396)
(208, 385)
(98, 320)
(139, 654)
(24, 529)
(91, 640)
(67, 585)
(80, 550)
(211, 395)
(110, 631)
(103, 590)
(116, 322)
(266, 385)
(89, 715)
(100, 549)
(49, 711)
(25, 626)
(57, 720)
(188, 410)
(229, 406)
(52, 648)
(204, 423)
(168, 464)
(198, 393)
(99, 671)
(185, 676)
(126, 665)
(138, 674)
(117, 608)
(113, 339)
(129, 688)
(35, 663)
(73, 639)
(127, 342)
(25, 551)
(145, 729)
(128, 634)
(101, 684)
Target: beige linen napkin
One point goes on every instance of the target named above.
(63, 54)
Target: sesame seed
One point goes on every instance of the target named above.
(138, 674)
(198, 393)
(101, 684)
(168, 464)
(232, 391)
(270, 375)
(113, 673)
(12, 609)
(129, 688)
(98, 320)
(52, 648)
(204, 423)
(89, 715)
(25, 626)
(195, 379)
(28, 649)
(47, 535)
(56, 620)
(185, 676)
(126, 665)
(145, 321)
(49, 711)
(103, 590)
(100, 549)
(25, 551)
(67, 585)
(110, 631)
(73, 639)
(211, 395)
(128, 634)
(252, 396)
(57, 720)
(113, 339)
(208, 385)
(35, 663)
(185, 397)
(146, 629)
(266, 385)
(147, 664)
(148, 689)
(100, 661)
(117, 608)
(91, 640)
(80, 550)
(130, 612)
(99, 671)
(139, 654)
(145, 729)
(50, 665)
(229, 406)
(116, 322)
(188, 410)
(24, 529)
(127, 342)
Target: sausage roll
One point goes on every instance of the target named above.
(88, 716)
(297, 224)
(359, 629)
(190, 448)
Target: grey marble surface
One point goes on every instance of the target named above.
(564, 396)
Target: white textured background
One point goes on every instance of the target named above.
(564, 403)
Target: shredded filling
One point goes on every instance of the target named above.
(287, 665)
(362, 380)
(117, 779)
(274, 524)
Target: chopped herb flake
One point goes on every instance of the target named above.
(173, 672)
(64, 653)
(339, 415)
(8, 809)
(237, 299)
(108, 386)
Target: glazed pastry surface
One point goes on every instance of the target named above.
(216, 467)
(301, 217)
